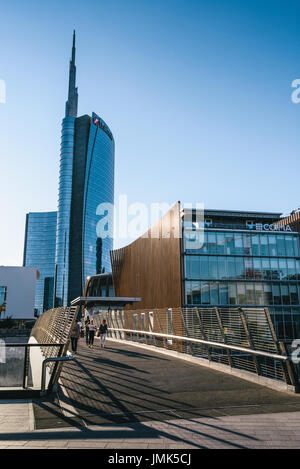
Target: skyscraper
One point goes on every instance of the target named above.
(86, 181)
(39, 252)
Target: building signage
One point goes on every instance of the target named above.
(268, 227)
(99, 123)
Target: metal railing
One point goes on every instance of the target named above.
(241, 338)
(44, 354)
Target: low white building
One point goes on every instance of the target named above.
(17, 290)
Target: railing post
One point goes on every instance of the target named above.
(276, 344)
(26, 367)
(289, 365)
(219, 319)
(161, 331)
(249, 338)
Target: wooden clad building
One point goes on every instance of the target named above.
(150, 267)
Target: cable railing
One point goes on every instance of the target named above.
(243, 339)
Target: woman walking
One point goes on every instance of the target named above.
(75, 334)
(103, 332)
(92, 330)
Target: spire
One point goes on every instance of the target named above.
(71, 104)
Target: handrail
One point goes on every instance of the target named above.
(26, 344)
(205, 342)
(53, 359)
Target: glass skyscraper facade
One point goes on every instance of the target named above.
(86, 181)
(39, 252)
(242, 258)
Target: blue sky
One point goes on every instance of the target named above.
(196, 92)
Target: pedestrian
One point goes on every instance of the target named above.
(103, 332)
(75, 334)
(86, 324)
(92, 330)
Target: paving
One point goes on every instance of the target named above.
(128, 397)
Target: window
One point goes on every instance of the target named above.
(194, 267)
(294, 295)
(238, 244)
(280, 245)
(213, 267)
(222, 267)
(276, 294)
(214, 293)
(255, 245)
(275, 274)
(205, 296)
(204, 273)
(266, 269)
(250, 298)
(232, 294)
(283, 269)
(296, 245)
(212, 243)
(188, 292)
(272, 246)
(196, 293)
(291, 269)
(289, 245)
(285, 297)
(257, 273)
(220, 243)
(268, 297)
(241, 293)
(259, 294)
(264, 246)
(239, 267)
(223, 294)
(231, 267)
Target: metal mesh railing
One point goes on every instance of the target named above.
(242, 338)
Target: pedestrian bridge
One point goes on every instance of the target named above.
(157, 365)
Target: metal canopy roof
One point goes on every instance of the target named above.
(104, 300)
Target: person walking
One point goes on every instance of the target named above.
(86, 324)
(92, 330)
(103, 332)
(75, 334)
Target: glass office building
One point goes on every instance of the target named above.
(39, 252)
(243, 259)
(86, 181)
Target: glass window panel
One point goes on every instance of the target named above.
(231, 267)
(268, 294)
(222, 267)
(266, 269)
(241, 293)
(214, 293)
(285, 296)
(294, 295)
(291, 269)
(220, 243)
(272, 246)
(248, 267)
(205, 296)
(204, 267)
(283, 268)
(238, 243)
(289, 245)
(275, 269)
(196, 293)
(188, 266)
(259, 294)
(232, 294)
(280, 245)
(213, 267)
(239, 267)
(296, 245)
(212, 243)
(224, 294)
(229, 246)
(297, 269)
(276, 294)
(195, 267)
(250, 297)
(255, 245)
(264, 246)
(188, 292)
(257, 268)
(247, 244)
(204, 248)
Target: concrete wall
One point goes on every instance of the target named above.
(20, 283)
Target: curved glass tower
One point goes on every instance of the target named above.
(86, 181)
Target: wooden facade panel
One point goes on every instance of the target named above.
(150, 266)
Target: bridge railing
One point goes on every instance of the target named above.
(34, 367)
(242, 339)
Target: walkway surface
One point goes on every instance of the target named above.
(128, 397)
